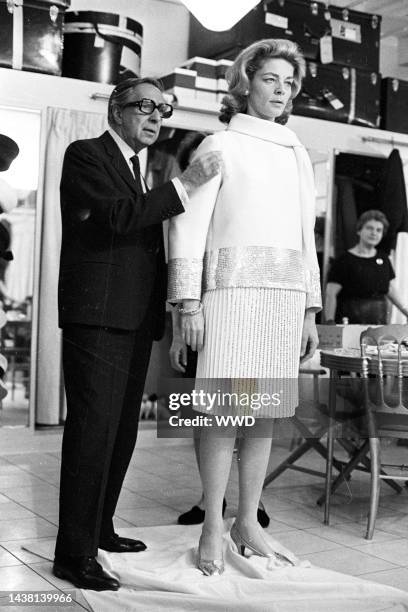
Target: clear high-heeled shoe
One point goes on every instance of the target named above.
(242, 544)
(210, 567)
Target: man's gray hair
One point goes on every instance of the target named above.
(122, 94)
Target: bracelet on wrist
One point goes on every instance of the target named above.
(190, 313)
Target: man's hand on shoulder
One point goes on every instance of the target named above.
(201, 170)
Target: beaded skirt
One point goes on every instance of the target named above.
(250, 360)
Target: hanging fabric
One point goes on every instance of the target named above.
(400, 257)
(392, 199)
(63, 127)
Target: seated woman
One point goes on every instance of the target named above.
(361, 280)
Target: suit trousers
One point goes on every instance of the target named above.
(104, 371)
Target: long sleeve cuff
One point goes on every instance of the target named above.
(184, 280)
(313, 291)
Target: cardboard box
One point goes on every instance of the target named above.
(180, 77)
(203, 66)
(206, 70)
(205, 95)
(222, 67)
(181, 96)
(340, 336)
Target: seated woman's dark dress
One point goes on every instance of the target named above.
(364, 284)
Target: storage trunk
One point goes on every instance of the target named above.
(101, 47)
(394, 105)
(340, 93)
(356, 38)
(306, 23)
(31, 34)
(303, 22)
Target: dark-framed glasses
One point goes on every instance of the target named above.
(147, 107)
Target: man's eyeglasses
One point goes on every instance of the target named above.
(147, 107)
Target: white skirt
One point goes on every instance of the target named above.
(252, 342)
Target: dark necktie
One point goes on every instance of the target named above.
(136, 166)
(136, 169)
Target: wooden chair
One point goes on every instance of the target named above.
(385, 397)
(380, 391)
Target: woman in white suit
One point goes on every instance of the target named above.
(244, 272)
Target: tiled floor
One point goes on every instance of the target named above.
(161, 483)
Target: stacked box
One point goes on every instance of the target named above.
(206, 71)
(206, 77)
(198, 82)
(181, 85)
(222, 85)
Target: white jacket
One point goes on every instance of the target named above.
(253, 225)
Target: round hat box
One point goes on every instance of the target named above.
(102, 47)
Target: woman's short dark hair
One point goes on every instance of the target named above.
(248, 62)
(187, 146)
(122, 94)
(373, 215)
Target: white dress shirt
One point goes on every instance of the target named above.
(128, 153)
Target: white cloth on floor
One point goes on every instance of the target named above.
(165, 579)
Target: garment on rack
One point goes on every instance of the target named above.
(392, 199)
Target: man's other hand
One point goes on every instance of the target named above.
(201, 170)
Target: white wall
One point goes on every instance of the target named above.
(165, 29)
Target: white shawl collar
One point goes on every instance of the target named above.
(280, 134)
(266, 130)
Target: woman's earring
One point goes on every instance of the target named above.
(246, 92)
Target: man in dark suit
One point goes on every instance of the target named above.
(112, 288)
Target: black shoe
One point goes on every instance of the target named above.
(122, 545)
(84, 573)
(263, 518)
(195, 516)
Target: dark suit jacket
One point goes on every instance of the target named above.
(112, 267)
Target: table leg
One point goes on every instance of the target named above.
(330, 444)
(375, 456)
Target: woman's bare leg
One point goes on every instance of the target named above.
(215, 465)
(196, 439)
(253, 461)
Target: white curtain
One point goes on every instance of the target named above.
(19, 272)
(399, 260)
(63, 127)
